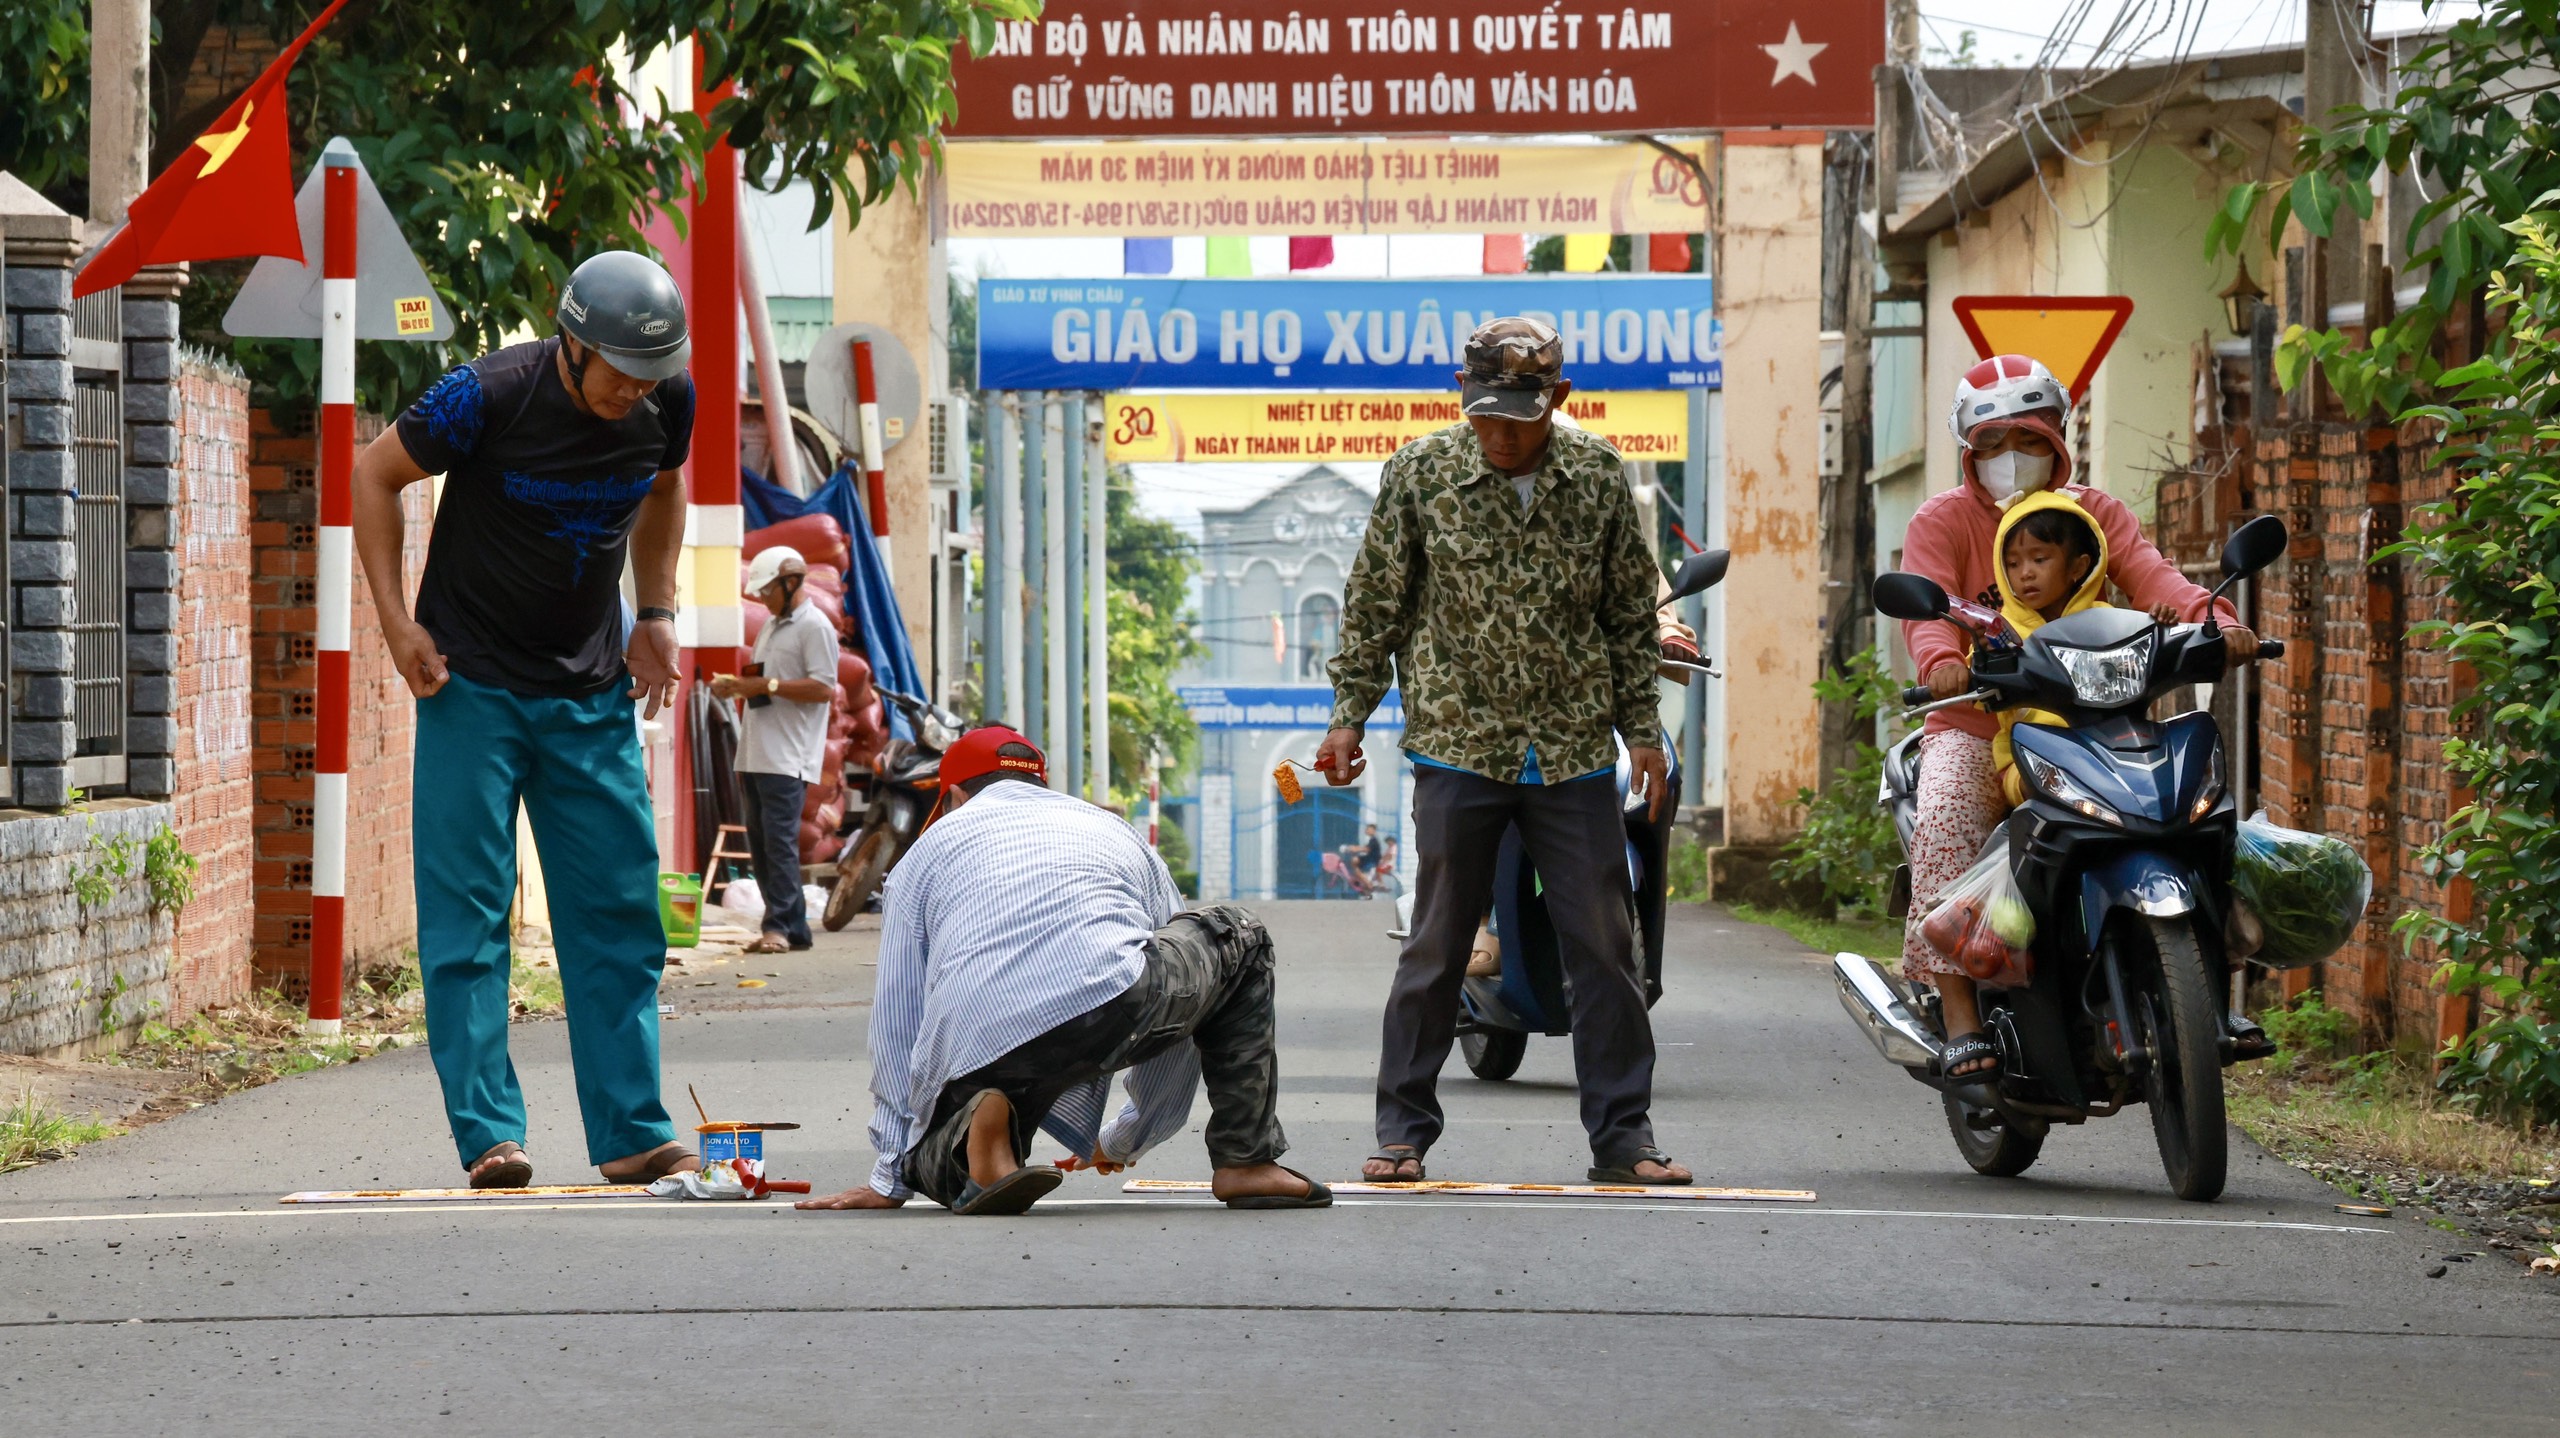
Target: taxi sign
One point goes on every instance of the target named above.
(2069, 333)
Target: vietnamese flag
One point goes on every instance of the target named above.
(227, 195)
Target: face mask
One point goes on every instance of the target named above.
(2007, 476)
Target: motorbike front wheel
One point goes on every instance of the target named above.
(1493, 1054)
(858, 876)
(2185, 1083)
(1994, 1149)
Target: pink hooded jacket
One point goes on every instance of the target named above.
(1952, 540)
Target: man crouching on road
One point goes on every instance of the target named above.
(1031, 947)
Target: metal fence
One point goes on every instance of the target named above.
(98, 541)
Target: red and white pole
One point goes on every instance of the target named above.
(337, 577)
(875, 453)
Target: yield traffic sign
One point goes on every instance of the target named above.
(2070, 333)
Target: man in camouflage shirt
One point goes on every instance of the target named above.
(1506, 577)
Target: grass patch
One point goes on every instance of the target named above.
(2378, 1111)
(31, 1134)
(262, 1038)
(1875, 938)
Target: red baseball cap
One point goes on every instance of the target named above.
(975, 755)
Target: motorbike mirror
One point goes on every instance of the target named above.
(2254, 546)
(1909, 596)
(1699, 573)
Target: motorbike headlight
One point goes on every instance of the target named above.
(2107, 678)
(2211, 793)
(2048, 779)
(936, 734)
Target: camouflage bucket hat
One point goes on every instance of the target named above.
(1512, 365)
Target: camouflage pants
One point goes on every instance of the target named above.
(1207, 981)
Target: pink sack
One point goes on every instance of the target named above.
(818, 537)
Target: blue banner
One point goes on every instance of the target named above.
(1620, 332)
(1276, 706)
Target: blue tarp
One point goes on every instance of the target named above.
(868, 600)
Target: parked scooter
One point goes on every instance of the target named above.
(1498, 1012)
(904, 785)
(2122, 852)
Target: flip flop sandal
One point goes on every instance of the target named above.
(1970, 1048)
(1012, 1194)
(1316, 1196)
(515, 1172)
(770, 944)
(1399, 1155)
(661, 1161)
(1627, 1173)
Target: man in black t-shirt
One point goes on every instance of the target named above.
(561, 461)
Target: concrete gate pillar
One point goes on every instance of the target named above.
(1769, 292)
(889, 272)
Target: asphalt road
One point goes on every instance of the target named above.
(154, 1284)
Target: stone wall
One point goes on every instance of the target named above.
(209, 695)
(283, 521)
(75, 978)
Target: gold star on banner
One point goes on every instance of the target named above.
(219, 147)
(1794, 56)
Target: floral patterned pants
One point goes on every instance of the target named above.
(1959, 802)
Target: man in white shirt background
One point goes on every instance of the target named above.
(789, 684)
(1031, 946)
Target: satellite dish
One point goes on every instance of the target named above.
(828, 381)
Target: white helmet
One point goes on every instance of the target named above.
(2004, 387)
(771, 565)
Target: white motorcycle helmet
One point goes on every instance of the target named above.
(2004, 387)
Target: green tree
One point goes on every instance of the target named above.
(2495, 546)
(2476, 121)
(2471, 120)
(498, 135)
(1151, 636)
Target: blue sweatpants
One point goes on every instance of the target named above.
(574, 764)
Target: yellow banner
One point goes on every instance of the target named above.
(1350, 187)
(1328, 428)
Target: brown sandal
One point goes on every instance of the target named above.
(769, 944)
(656, 1164)
(513, 1170)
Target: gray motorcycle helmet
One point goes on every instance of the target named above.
(626, 308)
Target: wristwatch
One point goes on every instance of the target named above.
(653, 611)
(772, 685)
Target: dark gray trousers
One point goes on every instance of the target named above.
(773, 851)
(1573, 833)
(1207, 982)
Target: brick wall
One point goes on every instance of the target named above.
(210, 690)
(75, 977)
(381, 911)
(2352, 721)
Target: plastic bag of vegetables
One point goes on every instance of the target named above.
(2306, 891)
(1982, 925)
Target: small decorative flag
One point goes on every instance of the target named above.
(228, 195)
(1586, 254)
(1146, 256)
(1669, 254)
(1310, 252)
(1505, 254)
(1230, 257)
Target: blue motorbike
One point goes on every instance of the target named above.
(2122, 854)
(1531, 994)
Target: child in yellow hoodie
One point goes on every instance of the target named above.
(2053, 562)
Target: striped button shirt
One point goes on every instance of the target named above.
(1016, 912)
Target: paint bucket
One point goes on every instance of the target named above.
(680, 909)
(735, 1140)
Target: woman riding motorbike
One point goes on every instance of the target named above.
(2009, 420)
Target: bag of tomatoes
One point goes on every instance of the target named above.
(1982, 925)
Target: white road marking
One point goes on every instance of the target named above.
(1513, 1205)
